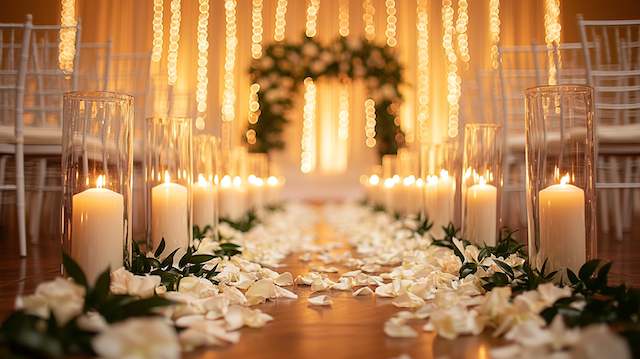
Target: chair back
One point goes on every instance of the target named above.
(14, 53)
(94, 66)
(130, 73)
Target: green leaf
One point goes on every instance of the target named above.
(160, 249)
(186, 257)
(168, 261)
(587, 269)
(505, 267)
(99, 293)
(200, 258)
(73, 270)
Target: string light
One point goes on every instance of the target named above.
(343, 112)
(370, 122)
(203, 54)
(256, 29)
(343, 18)
(307, 153)
(462, 22)
(552, 30)
(67, 45)
(422, 24)
(494, 31)
(156, 50)
(392, 20)
(231, 43)
(453, 79)
(254, 112)
(174, 39)
(281, 20)
(312, 18)
(367, 18)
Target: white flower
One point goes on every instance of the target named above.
(451, 322)
(320, 300)
(125, 282)
(147, 338)
(60, 296)
(260, 291)
(284, 279)
(408, 300)
(598, 341)
(198, 287)
(364, 291)
(397, 328)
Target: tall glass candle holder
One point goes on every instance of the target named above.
(233, 190)
(482, 183)
(438, 169)
(97, 161)
(561, 196)
(256, 180)
(205, 186)
(168, 180)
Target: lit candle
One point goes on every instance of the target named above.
(409, 203)
(97, 229)
(387, 192)
(169, 219)
(562, 226)
(273, 190)
(256, 191)
(439, 200)
(480, 222)
(204, 198)
(372, 186)
(233, 198)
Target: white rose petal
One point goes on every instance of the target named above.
(320, 300)
(122, 339)
(284, 279)
(364, 291)
(398, 329)
(285, 293)
(408, 300)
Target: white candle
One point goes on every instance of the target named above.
(387, 193)
(409, 203)
(256, 192)
(97, 230)
(233, 198)
(562, 226)
(372, 187)
(204, 199)
(273, 190)
(481, 211)
(439, 200)
(169, 202)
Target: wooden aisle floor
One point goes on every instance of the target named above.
(351, 327)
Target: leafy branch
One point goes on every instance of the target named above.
(244, 224)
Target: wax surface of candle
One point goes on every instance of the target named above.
(562, 227)
(233, 198)
(481, 211)
(97, 231)
(439, 197)
(273, 190)
(169, 202)
(204, 201)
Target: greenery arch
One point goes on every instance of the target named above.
(284, 66)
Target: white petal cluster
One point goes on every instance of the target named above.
(60, 297)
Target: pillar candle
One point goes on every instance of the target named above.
(256, 192)
(233, 198)
(204, 202)
(562, 226)
(97, 230)
(373, 188)
(481, 211)
(409, 203)
(388, 194)
(169, 215)
(273, 190)
(439, 200)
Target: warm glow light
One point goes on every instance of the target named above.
(156, 50)
(100, 181)
(494, 31)
(256, 29)
(370, 122)
(272, 181)
(453, 79)
(422, 26)
(565, 179)
(203, 58)
(482, 181)
(312, 18)
(308, 141)
(167, 177)
(174, 39)
(202, 182)
(67, 45)
(374, 180)
(225, 181)
(392, 21)
(389, 183)
(281, 20)
(552, 30)
(343, 18)
(444, 173)
(368, 14)
(409, 181)
(237, 181)
(462, 23)
(343, 112)
(231, 44)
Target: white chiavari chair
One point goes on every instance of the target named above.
(94, 66)
(614, 73)
(14, 54)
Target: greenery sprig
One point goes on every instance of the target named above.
(244, 224)
(24, 335)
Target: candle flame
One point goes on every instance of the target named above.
(432, 180)
(408, 181)
(419, 182)
(565, 179)
(237, 181)
(374, 180)
(202, 182)
(100, 181)
(389, 182)
(226, 181)
(272, 181)
(444, 173)
(167, 177)
(482, 181)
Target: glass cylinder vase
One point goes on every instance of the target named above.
(97, 160)
(256, 179)
(482, 183)
(168, 180)
(438, 167)
(560, 153)
(205, 186)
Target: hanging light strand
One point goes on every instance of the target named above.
(203, 61)
(231, 43)
(392, 21)
(281, 20)
(453, 79)
(343, 18)
(370, 123)
(67, 45)
(462, 24)
(312, 18)
(422, 24)
(308, 152)
(552, 30)
(368, 13)
(494, 31)
(343, 111)
(174, 39)
(158, 30)
(256, 29)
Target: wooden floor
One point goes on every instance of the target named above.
(352, 327)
